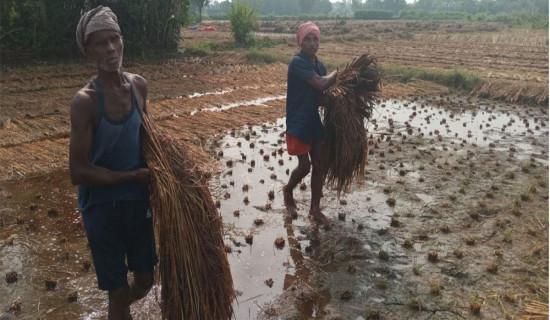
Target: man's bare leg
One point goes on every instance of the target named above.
(119, 307)
(317, 181)
(141, 286)
(296, 176)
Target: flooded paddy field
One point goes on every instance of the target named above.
(450, 220)
(454, 203)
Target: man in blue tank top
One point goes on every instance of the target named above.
(105, 162)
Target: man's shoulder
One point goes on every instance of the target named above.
(298, 58)
(299, 63)
(138, 81)
(85, 96)
(136, 78)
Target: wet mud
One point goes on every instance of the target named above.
(450, 220)
(448, 180)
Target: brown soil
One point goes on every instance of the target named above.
(473, 189)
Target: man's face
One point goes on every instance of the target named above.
(106, 47)
(310, 44)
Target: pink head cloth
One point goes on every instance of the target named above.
(100, 18)
(306, 28)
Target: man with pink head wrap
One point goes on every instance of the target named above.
(105, 163)
(306, 28)
(305, 134)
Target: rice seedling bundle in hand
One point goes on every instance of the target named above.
(349, 102)
(195, 275)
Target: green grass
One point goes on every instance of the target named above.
(259, 56)
(201, 49)
(456, 78)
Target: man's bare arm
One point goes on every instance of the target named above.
(322, 83)
(81, 141)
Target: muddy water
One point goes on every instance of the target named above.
(41, 234)
(477, 122)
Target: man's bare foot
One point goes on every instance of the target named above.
(319, 216)
(289, 199)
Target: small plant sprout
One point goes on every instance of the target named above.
(373, 315)
(423, 235)
(352, 267)
(476, 302)
(383, 255)
(458, 252)
(492, 267)
(508, 238)
(470, 241)
(383, 283)
(407, 244)
(249, 238)
(415, 304)
(435, 286)
(280, 242)
(416, 269)
(445, 228)
(395, 222)
(433, 257)
(516, 210)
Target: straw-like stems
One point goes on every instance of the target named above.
(350, 102)
(195, 275)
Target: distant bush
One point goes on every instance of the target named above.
(201, 49)
(243, 20)
(221, 16)
(258, 56)
(456, 78)
(373, 14)
(532, 21)
(416, 14)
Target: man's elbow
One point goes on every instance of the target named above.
(74, 179)
(76, 175)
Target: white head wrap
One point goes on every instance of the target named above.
(100, 18)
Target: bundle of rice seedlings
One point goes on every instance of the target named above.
(349, 102)
(195, 275)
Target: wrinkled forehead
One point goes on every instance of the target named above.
(101, 35)
(311, 36)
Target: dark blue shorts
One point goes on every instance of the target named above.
(120, 231)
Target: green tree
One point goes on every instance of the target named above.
(306, 6)
(199, 5)
(243, 20)
(149, 23)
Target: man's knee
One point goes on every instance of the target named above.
(304, 168)
(143, 282)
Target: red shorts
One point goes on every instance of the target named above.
(295, 147)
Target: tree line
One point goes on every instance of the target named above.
(346, 8)
(49, 25)
(155, 24)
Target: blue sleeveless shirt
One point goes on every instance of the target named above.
(117, 147)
